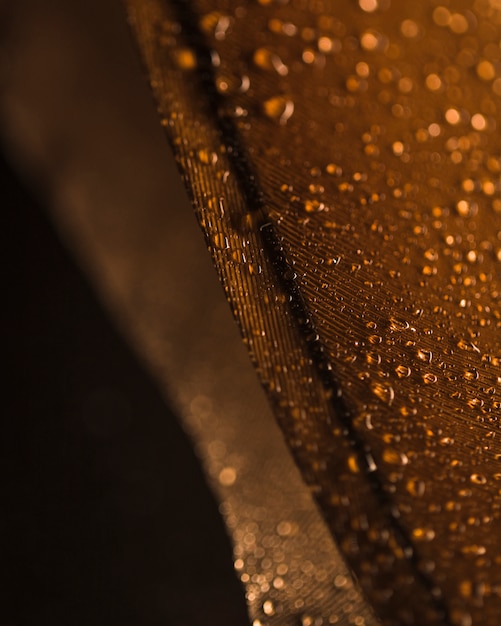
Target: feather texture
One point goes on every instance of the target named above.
(344, 165)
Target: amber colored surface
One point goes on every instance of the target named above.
(344, 162)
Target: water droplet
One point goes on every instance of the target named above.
(353, 464)
(368, 5)
(384, 392)
(268, 607)
(340, 581)
(220, 241)
(403, 371)
(424, 355)
(478, 121)
(206, 157)
(466, 208)
(478, 479)
(185, 59)
(423, 534)
(471, 374)
(410, 29)
(394, 457)
(313, 206)
(279, 108)
(452, 116)
(333, 169)
(429, 378)
(316, 188)
(328, 45)
(227, 476)
(268, 60)
(372, 40)
(416, 487)
(216, 24)
(474, 550)
(373, 358)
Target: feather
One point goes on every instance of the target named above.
(344, 165)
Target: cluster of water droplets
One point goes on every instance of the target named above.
(391, 227)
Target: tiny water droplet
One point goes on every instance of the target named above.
(423, 534)
(415, 487)
(333, 169)
(313, 206)
(398, 325)
(425, 355)
(220, 241)
(185, 59)
(268, 607)
(279, 108)
(353, 464)
(460, 617)
(216, 24)
(394, 457)
(429, 378)
(206, 157)
(403, 371)
(268, 60)
(227, 476)
(471, 374)
(384, 392)
(478, 479)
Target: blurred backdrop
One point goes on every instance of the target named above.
(105, 515)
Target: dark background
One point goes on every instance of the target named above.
(105, 515)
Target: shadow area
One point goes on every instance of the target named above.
(106, 518)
